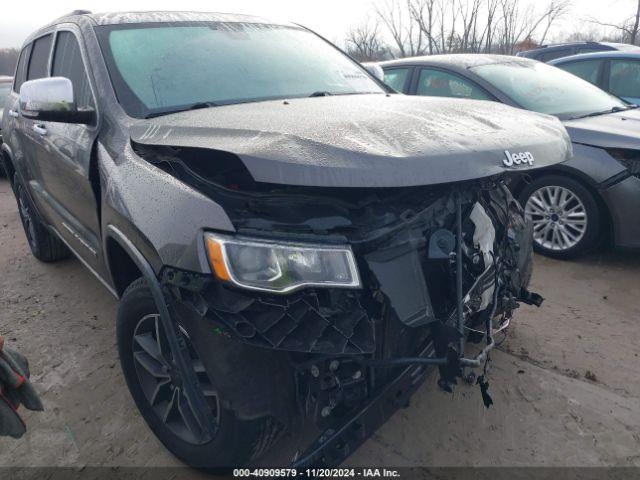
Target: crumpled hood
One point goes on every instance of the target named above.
(613, 130)
(365, 140)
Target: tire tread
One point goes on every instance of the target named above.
(48, 247)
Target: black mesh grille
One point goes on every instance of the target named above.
(326, 322)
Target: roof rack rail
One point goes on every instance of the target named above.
(80, 12)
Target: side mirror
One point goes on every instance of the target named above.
(375, 70)
(52, 100)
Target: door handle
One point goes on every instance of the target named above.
(13, 113)
(40, 129)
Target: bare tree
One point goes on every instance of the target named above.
(407, 36)
(584, 33)
(521, 24)
(365, 43)
(491, 21)
(443, 26)
(629, 27)
(469, 13)
(555, 10)
(423, 13)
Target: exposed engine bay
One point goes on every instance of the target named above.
(423, 291)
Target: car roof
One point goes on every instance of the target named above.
(554, 46)
(630, 53)
(5, 79)
(120, 18)
(621, 46)
(460, 60)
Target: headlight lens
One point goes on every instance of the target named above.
(280, 267)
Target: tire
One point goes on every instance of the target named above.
(556, 202)
(235, 441)
(44, 244)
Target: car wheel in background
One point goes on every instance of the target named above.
(44, 245)
(565, 216)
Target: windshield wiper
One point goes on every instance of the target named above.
(194, 106)
(320, 93)
(603, 112)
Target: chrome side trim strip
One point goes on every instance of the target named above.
(77, 236)
(95, 274)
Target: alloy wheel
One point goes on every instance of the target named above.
(559, 218)
(161, 381)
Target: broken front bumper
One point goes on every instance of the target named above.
(347, 359)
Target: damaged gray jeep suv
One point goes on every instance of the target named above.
(294, 248)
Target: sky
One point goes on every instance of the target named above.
(330, 18)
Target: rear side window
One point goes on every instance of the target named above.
(39, 62)
(591, 49)
(587, 69)
(624, 79)
(396, 78)
(553, 54)
(67, 62)
(436, 83)
(21, 70)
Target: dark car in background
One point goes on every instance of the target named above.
(615, 72)
(576, 205)
(547, 53)
(291, 251)
(5, 88)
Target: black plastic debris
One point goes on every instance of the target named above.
(484, 391)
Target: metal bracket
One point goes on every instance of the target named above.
(480, 358)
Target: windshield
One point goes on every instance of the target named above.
(546, 89)
(161, 67)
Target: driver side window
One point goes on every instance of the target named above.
(67, 62)
(396, 78)
(436, 83)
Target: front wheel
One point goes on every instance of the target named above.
(565, 216)
(155, 384)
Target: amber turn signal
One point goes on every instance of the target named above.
(216, 258)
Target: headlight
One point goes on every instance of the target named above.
(280, 267)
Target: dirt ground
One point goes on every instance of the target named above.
(565, 382)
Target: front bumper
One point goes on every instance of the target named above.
(343, 438)
(332, 365)
(623, 200)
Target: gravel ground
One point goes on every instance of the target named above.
(565, 381)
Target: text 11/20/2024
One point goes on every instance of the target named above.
(316, 473)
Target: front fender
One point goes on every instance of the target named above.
(163, 216)
(593, 164)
